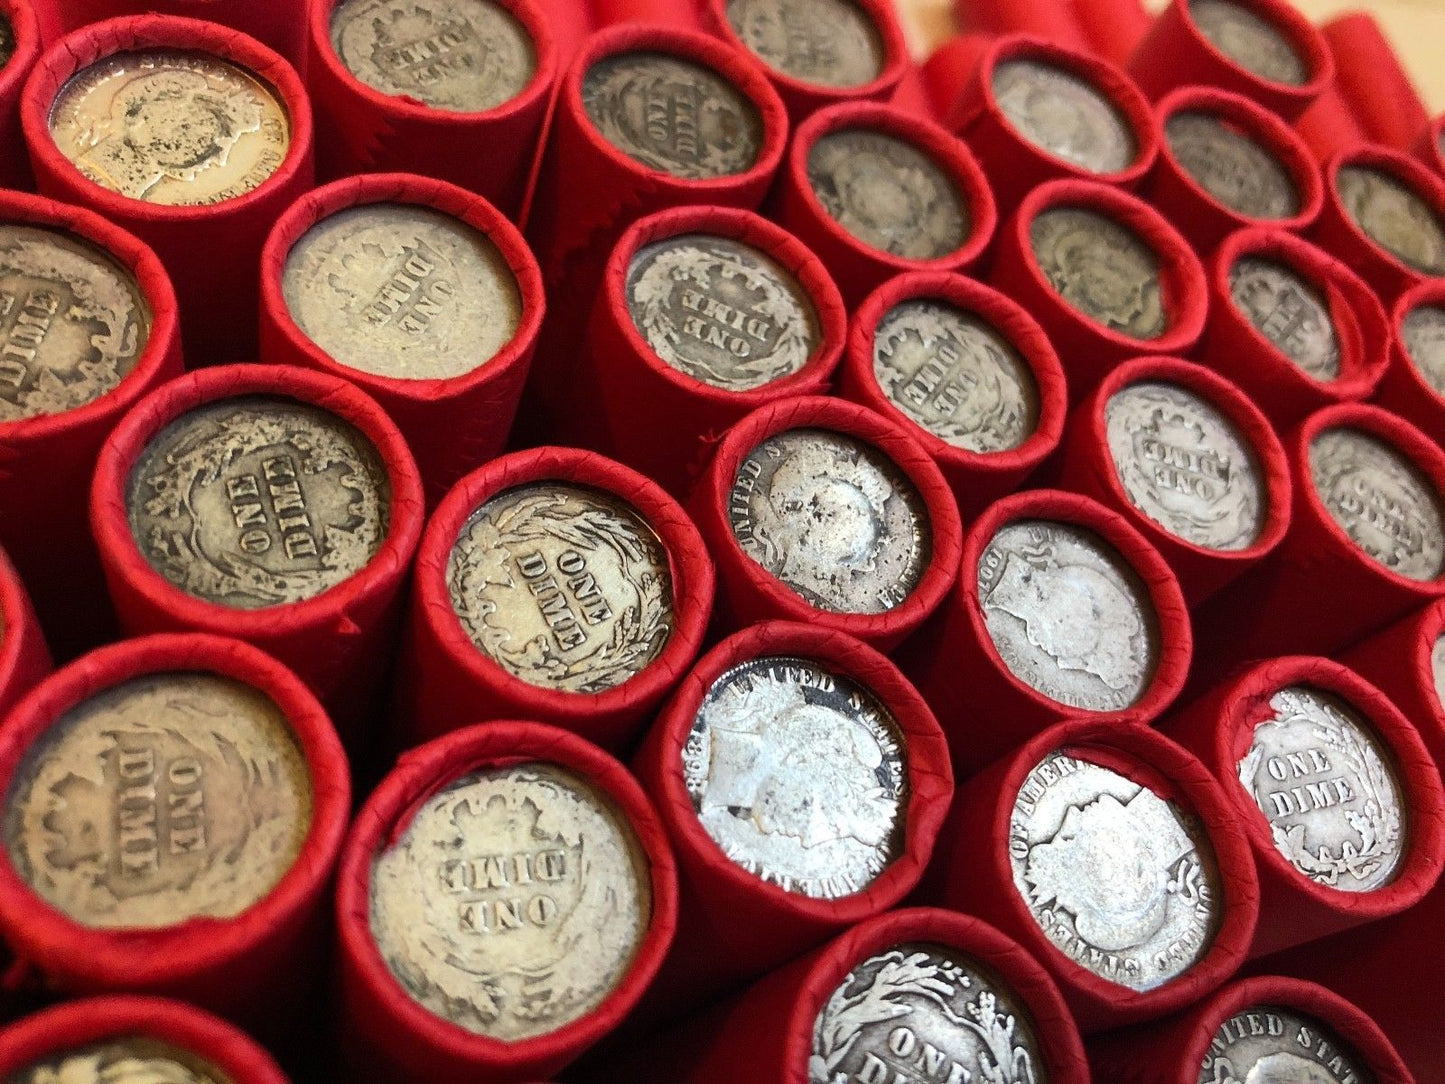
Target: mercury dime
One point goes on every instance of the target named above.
(1288, 311)
(1381, 500)
(513, 902)
(562, 586)
(171, 126)
(833, 518)
(402, 291)
(888, 194)
(7, 41)
(721, 311)
(258, 501)
(1269, 1044)
(799, 775)
(1101, 269)
(1232, 167)
(165, 798)
(673, 115)
(954, 374)
(1249, 40)
(1424, 340)
(463, 56)
(830, 43)
(1119, 879)
(1065, 115)
(1068, 615)
(925, 1012)
(132, 1059)
(1393, 216)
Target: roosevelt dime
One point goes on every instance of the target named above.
(166, 798)
(1288, 311)
(258, 501)
(956, 375)
(1385, 503)
(463, 56)
(562, 586)
(1424, 339)
(1064, 114)
(1231, 166)
(1102, 269)
(1249, 40)
(888, 194)
(1121, 881)
(513, 902)
(171, 126)
(829, 43)
(1068, 615)
(130, 1059)
(721, 311)
(833, 518)
(673, 115)
(7, 40)
(1269, 1044)
(1393, 216)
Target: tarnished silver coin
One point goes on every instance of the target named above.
(562, 586)
(1289, 311)
(1385, 503)
(462, 56)
(1424, 340)
(721, 311)
(258, 501)
(833, 518)
(132, 1059)
(673, 115)
(513, 902)
(888, 194)
(924, 1012)
(7, 40)
(830, 43)
(1060, 112)
(956, 375)
(1185, 465)
(1393, 216)
(1324, 783)
(1235, 169)
(1269, 1044)
(1249, 40)
(1102, 269)
(800, 775)
(165, 798)
(1437, 668)
(402, 291)
(1120, 880)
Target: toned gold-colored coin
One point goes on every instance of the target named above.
(132, 1059)
(171, 126)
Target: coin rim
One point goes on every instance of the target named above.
(1409, 173)
(1289, 24)
(895, 55)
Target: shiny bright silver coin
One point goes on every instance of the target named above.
(830, 43)
(1393, 216)
(1289, 311)
(1235, 169)
(1270, 1044)
(1249, 40)
(132, 1059)
(1102, 269)
(1424, 340)
(1062, 113)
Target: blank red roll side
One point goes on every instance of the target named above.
(1114, 27)
(1052, 20)
(25, 28)
(1398, 659)
(1369, 74)
(24, 658)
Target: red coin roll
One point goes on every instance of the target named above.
(1369, 74)
(1403, 387)
(1329, 125)
(1399, 660)
(393, 1036)
(24, 658)
(1114, 27)
(677, 14)
(1429, 145)
(454, 424)
(949, 67)
(1049, 20)
(25, 29)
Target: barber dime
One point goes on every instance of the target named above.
(1249, 40)
(1231, 166)
(1102, 269)
(1288, 311)
(1424, 340)
(1065, 115)
(1394, 216)
(131, 1059)
(1270, 1044)
(830, 43)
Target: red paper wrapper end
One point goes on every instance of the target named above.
(1372, 80)
(1114, 27)
(24, 658)
(25, 28)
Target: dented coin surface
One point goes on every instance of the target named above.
(1064, 114)
(1393, 216)
(1271, 1044)
(1234, 168)
(1423, 331)
(1289, 311)
(830, 43)
(1249, 40)
(129, 1059)
(1102, 269)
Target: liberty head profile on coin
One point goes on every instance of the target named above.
(1102, 269)
(1249, 40)
(1423, 336)
(829, 43)
(1394, 216)
(1231, 166)
(1289, 311)
(1271, 1044)
(1064, 114)
(130, 1059)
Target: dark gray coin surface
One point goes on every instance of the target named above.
(720, 311)
(1249, 40)
(833, 519)
(673, 115)
(1424, 340)
(1289, 311)
(1437, 668)
(1393, 216)
(830, 43)
(130, 1059)
(1232, 167)
(924, 1012)
(1102, 269)
(258, 501)
(888, 194)
(1271, 1044)
(1068, 615)
(1064, 114)
(7, 41)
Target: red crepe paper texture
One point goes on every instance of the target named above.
(394, 1037)
(674, 14)
(445, 680)
(1329, 126)
(976, 478)
(948, 68)
(1114, 27)
(748, 593)
(452, 425)
(211, 252)
(339, 642)
(912, 94)
(1051, 20)
(1398, 659)
(24, 658)
(1372, 80)
(46, 462)
(25, 29)
(1403, 387)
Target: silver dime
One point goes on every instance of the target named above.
(800, 775)
(1249, 40)
(1437, 668)
(888, 194)
(1381, 500)
(1185, 465)
(1068, 615)
(924, 1012)
(513, 902)
(954, 374)
(1270, 1044)
(563, 586)
(1234, 168)
(1424, 340)
(130, 1059)
(830, 43)
(673, 115)
(833, 518)
(1120, 880)
(1289, 311)
(1102, 269)
(73, 322)
(7, 41)
(721, 311)
(1394, 216)
(1064, 114)
(402, 291)
(258, 501)
(463, 56)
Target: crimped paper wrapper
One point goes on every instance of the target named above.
(1329, 125)
(976, 478)
(1370, 76)
(948, 68)
(14, 168)
(1398, 660)
(24, 658)
(339, 642)
(1403, 388)
(1114, 27)
(389, 1038)
(452, 425)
